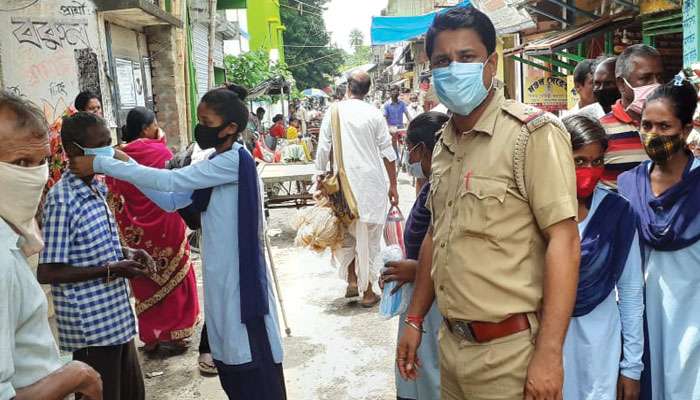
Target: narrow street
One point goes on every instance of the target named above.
(337, 351)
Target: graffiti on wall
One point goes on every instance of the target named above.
(57, 89)
(51, 35)
(73, 9)
(17, 5)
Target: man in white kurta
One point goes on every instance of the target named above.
(369, 159)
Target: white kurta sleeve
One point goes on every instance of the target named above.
(382, 138)
(630, 288)
(324, 143)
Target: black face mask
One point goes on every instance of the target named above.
(606, 97)
(208, 137)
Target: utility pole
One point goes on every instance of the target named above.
(212, 41)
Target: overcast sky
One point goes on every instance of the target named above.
(343, 16)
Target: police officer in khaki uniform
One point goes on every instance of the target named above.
(503, 252)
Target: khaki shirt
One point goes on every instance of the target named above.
(488, 246)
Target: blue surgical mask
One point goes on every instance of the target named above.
(416, 170)
(460, 86)
(107, 151)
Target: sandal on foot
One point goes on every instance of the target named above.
(206, 364)
(371, 303)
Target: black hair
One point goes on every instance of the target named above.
(584, 131)
(423, 127)
(682, 96)
(28, 115)
(622, 65)
(359, 87)
(136, 121)
(228, 102)
(259, 110)
(277, 118)
(582, 70)
(75, 128)
(83, 98)
(462, 18)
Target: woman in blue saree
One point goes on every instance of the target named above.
(240, 308)
(604, 344)
(665, 194)
(421, 137)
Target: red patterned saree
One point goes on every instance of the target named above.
(167, 305)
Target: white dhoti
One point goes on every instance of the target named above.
(363, 243)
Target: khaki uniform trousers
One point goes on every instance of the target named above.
(495, 370)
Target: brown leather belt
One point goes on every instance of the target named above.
(482, 332)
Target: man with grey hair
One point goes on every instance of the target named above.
(638, 72)
(365, 147)
(29, 363)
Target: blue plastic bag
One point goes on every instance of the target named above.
(395, 304)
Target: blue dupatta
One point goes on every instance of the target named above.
(670, 221)
(252, 266)
(605, 246)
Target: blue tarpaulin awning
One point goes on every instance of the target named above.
(386, 30)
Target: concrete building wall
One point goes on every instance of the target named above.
(167, 79)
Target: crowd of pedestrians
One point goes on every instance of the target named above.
(549, 258)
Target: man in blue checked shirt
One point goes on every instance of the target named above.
(88, 269)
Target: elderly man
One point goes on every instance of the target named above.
(29, 364)
(502, 255)
(638, 71)
(365, 141)
(604, 87)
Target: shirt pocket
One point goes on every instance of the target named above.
(480, 201)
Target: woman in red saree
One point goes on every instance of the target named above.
(167, 304)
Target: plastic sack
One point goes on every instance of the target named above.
(393, 229)
(318, 228)
(395, 304)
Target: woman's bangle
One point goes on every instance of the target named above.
(416, 319)
(413, 325)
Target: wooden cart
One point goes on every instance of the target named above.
(287, 185)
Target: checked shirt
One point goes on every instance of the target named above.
(80, 230)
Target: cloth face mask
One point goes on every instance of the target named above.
(208, 137)
(606, 97)
(661, 148)
(19, 200)
(640, 96)
(107, 151)
(586, 180)
(460, 86)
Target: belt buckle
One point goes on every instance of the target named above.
(464, 330)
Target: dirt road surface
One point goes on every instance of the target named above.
(337, 350)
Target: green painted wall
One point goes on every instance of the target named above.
(264, 26)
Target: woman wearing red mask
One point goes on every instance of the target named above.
(604, 344)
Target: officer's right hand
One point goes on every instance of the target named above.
(128, 269)
(406, 357)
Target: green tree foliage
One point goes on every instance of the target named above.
(356, 38)
(361, 54)
(252, 68)
(311, 59)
